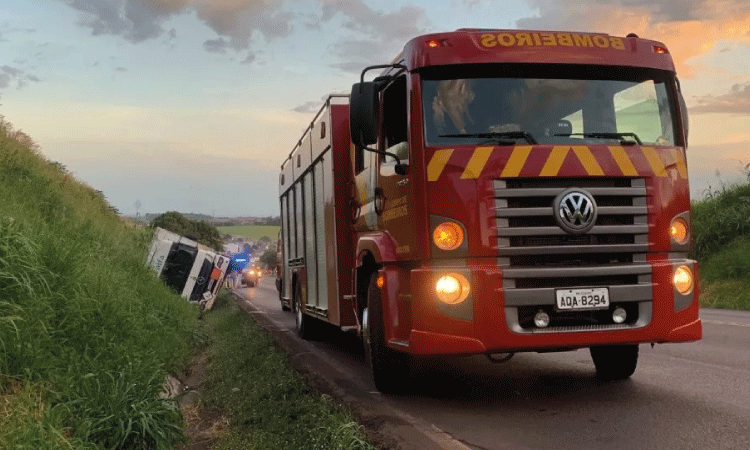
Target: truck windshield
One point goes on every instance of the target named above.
(574, 105)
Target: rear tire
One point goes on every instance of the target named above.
(390, 368)
(615, 362)
(303, 322)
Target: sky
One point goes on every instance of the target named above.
(192, 105)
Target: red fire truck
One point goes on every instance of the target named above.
(492, 192)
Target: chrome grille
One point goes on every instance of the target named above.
(538, 256)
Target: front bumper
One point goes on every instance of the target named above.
(491, 320)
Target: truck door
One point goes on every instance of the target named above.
(363, 190)
(393, 200)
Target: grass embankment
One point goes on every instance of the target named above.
(252, 231)
(267, 404)
(87, 333)
(721, 227)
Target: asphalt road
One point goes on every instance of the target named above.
(682, 396)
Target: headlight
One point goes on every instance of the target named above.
(448, 236)
(452, 288)
(683, 280)
(678, 231)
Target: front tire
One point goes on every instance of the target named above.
(615, 362)
(390, 368)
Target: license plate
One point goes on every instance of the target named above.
(582, 299)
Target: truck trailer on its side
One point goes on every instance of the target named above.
(191, 269)
(492, 192)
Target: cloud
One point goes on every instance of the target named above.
(308, 107)
(249, 58)
(689, 28)
(237, 20)
(736, 101)
(10, 74)
(240, 23)
(219, 45)
(134, 20)
(234, 21)
(11, 71)
(379, 35)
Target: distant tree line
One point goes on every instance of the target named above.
(270, 220)
(149, 217)
(200, 231)
(263, 221)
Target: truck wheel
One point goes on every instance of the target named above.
(390, 368)
(303, 321)
(615, 362)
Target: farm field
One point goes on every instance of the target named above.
(252, 231)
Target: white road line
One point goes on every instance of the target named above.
(717, 322)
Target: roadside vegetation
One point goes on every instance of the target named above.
(721, 243)
(265, 403)
(87, 333)
(198, 230)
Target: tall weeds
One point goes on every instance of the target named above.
(84, 326)
(721, 228)
(724, 215)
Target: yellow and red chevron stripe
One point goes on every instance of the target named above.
(559, 160)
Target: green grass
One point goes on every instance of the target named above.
(252, 231)
(87, 333)
(720, 218)
(732, 294)
(267, 404)
(721, 243)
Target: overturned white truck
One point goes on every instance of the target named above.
(193, 270)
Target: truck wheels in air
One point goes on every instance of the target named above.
(390, 368)
(614, 362)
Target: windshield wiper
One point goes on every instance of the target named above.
(497, 135)
(606, 135)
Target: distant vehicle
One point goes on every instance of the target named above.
(250, 276)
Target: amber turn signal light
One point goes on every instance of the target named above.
(448, 236)
(678, 231)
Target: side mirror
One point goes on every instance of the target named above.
(363, 110)
(683, 112)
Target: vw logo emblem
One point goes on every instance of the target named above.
(575, 211)
(200, 281)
